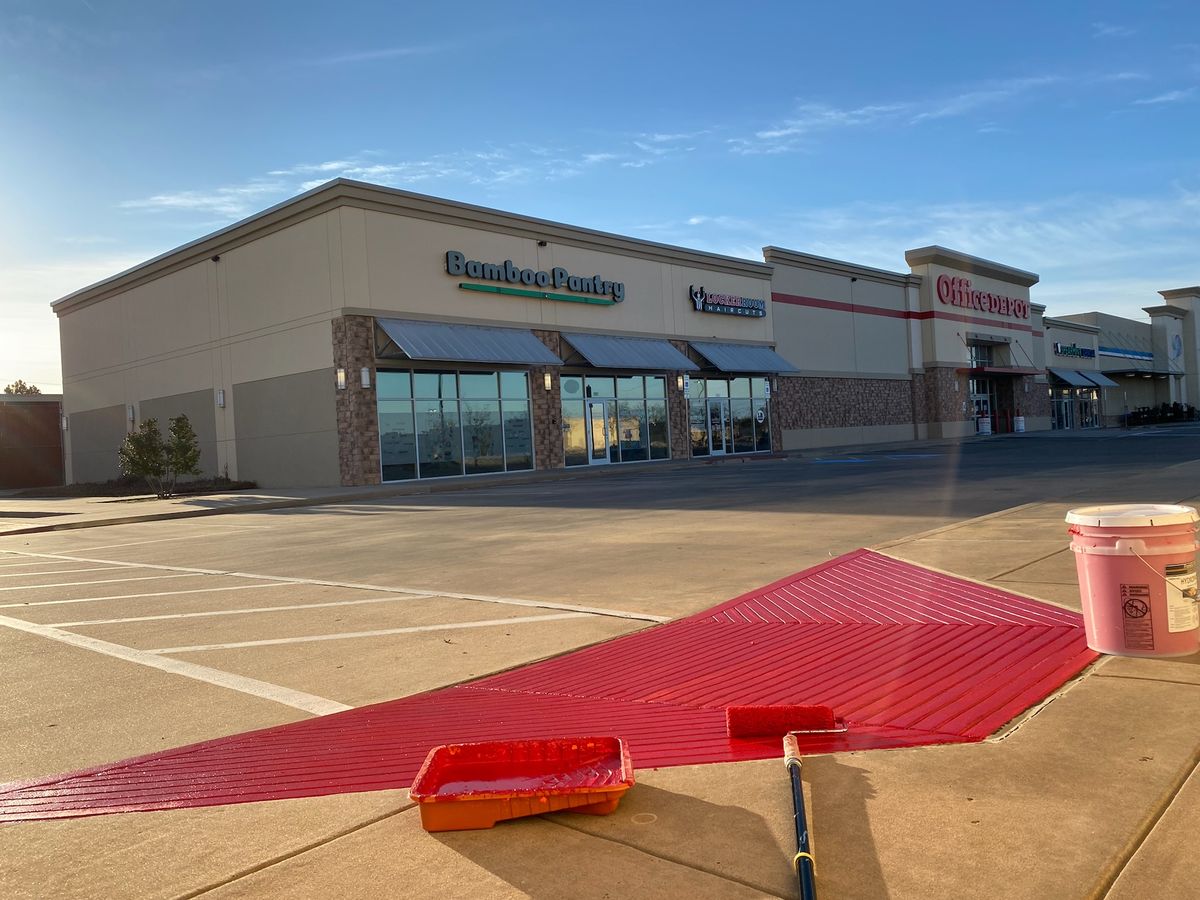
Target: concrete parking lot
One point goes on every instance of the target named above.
(131, 638)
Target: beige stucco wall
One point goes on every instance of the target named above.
(1057, 331)
(946, 335)
(838, 342)
(255, 321)
(261, 311)
(396, 265)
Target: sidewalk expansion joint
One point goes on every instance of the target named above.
(1028, 563)
(1143, 834)
(292, 854)
(724, 876)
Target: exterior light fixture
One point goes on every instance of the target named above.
(64, 421)
(548, 381)
(129, 412)
(679, 382)
(221, 398)
(341, 379)
(365, 376)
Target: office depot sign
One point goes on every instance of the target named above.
(958, 292)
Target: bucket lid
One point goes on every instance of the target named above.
(1133, 515)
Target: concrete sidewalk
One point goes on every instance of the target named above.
(1094, 794)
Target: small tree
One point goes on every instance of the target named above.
(20, 387)
(145, 454)
(182, 450)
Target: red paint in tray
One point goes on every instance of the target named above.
(464, 786)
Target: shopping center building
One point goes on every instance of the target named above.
(358, 334)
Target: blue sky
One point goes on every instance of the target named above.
(1060, 138)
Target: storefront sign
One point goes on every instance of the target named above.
(958, 292)
(1073, 350)
(726, 303)
(557, 278)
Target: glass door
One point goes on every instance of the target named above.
(598, 432)
(718, 426)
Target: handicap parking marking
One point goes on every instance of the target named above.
(383, 632)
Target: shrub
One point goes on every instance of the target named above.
(146, 455)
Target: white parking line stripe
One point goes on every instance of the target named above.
(482, 598)
(236, 612)
(488, 623)
(18, 565)
(38, 587)
(309, 703)
(236, 587)
(182, 537)
(59, 572)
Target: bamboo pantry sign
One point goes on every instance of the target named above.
(507, 272)
(726, 303)
(958, 292)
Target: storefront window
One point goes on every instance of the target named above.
(483, 446)
(633, 430)
(739, 424)
(614, 420)
(980, 355)
(518, 435)
(656, 417)
(439, 438)
(601, 387)
(743, 423)
(436, 434)
(397, 440)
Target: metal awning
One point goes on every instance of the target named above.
(607, 351)
(446, 342)
(743, 357)
(1072, 377)
(1099, 380)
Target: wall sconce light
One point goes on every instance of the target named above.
(341, 379)
(679, 382)
(365, 376)
(129, 412)
(548, 381)
(64, 421)
(221, 398)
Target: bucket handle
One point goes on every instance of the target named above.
(1167, 580)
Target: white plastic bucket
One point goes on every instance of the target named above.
(1019, 424)
(1137, 578)
(984, 425)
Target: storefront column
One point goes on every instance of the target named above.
(547, 408)
(677, 419)
(357, 415)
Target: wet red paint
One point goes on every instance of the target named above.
(905, 655)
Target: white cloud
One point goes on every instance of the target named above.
(814, 118)
(1084, 247)
(1168, 97)
(233, 201)
(361, 56)
(1108, 30)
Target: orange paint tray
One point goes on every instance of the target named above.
(464, 786)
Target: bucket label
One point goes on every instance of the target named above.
(1137, 617)
(1182, 611)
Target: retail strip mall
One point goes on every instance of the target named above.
(358, 334)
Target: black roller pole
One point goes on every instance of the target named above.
(803, 860)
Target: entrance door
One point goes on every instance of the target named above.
(598, 437)
(718, 427)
